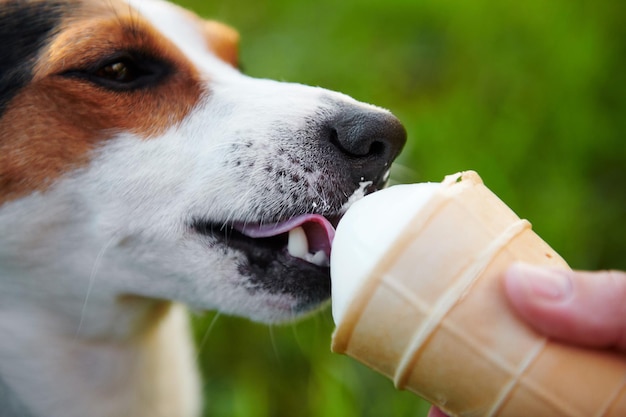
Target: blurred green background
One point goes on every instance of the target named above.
(530, 94)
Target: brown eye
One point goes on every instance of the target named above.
(117, 71)
(125, 71)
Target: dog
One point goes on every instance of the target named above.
(142, 173)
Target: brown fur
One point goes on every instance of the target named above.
(53, 124)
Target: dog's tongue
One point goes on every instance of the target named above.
(318, 230)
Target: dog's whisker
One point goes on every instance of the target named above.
(232, 216)
(205, 338)
(323, 201)
(294, 331)
(273, 341)
(223, 145)
(92, 280)
(401, 173)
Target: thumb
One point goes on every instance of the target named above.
(584, 308)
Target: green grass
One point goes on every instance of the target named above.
(530, 94)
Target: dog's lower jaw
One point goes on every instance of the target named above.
(151, 372)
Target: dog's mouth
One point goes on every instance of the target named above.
(306, 237)
(290, 257)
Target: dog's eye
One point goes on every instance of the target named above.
(121, 72)
(124, 72)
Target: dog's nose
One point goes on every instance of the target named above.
(369, 139)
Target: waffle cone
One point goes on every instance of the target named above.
(432, 317)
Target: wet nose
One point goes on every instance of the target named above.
(369, 140)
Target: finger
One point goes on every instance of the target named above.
(586, 308)
(435, 412)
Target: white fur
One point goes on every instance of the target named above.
(121, 226)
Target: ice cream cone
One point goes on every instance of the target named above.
(431, 314)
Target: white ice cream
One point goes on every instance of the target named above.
(369, 227)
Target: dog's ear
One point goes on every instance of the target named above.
(223, 40)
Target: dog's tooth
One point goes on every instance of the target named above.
(298, 245)
(320, 258)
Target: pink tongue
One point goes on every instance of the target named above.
(319, 231)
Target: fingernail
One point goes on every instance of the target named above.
(549, 284)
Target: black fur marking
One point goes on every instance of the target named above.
(279, 273)
(25, 26)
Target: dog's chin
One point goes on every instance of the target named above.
(269, 266)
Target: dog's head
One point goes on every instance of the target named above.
(136, 156)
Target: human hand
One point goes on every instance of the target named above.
(576, 307)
